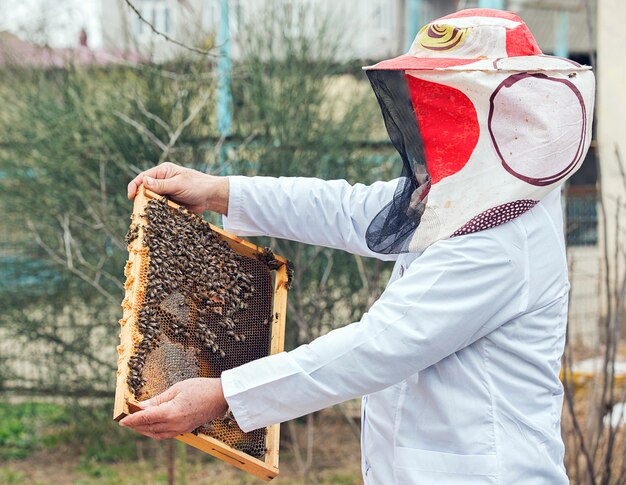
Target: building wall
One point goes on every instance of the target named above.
(365, 29)
(192, 22)
(611, 116)
(543, 23)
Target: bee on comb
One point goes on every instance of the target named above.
(198, 301)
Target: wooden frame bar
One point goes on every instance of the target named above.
(125, 402)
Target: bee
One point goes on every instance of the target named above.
(290, 273)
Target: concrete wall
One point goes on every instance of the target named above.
(584, 306)
(611, 115)
(190, 22)
(366, 29)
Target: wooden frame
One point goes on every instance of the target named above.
(125, 402)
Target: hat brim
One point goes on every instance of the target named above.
(407, 62)
(517, 63)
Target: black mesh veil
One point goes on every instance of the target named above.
(390, 232)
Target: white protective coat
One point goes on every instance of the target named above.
(459, 358)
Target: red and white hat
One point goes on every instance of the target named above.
(475, 39)
(485, 124)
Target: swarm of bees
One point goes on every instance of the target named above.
(192, 274)
(200, 304)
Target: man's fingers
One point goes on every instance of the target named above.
(162, 398)
(148, 417)
(160, 430)
(158, 433)
(161, 186)
(163, 171)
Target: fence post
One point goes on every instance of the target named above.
(499, 4)
(224, 67)
(413, 21)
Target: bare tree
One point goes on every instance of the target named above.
(593, 424)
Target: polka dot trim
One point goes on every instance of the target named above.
(495, 216)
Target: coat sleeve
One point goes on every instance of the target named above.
(324, 213)
(456, 292)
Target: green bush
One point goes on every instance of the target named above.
(26, 427)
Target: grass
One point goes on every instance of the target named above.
(55, 444)
(26, 427)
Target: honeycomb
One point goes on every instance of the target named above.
(201, 308)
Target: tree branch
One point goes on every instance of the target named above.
(179, 130)
(57, 259)
(167, 37)
(141, 129)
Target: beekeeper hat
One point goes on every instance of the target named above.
(485, 124)
(475, 39)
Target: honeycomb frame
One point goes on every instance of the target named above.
(125, 401)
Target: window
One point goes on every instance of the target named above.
(157, 13)
(139, 25)
(166, 19)
(581, 197)
(381, 15)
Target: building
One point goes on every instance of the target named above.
(371, 29)
(611, 120)
(17, 52)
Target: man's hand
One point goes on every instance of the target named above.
(181, 409)
(195, 190)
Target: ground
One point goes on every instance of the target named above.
(63, 461)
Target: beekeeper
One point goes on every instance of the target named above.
(458, 360)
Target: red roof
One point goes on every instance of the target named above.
(15, 51)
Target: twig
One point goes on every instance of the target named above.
(55, 257)
(353, 427)
(310, 428)
(609, 304)
(100, 224)
(141, 129)
(327, 269)
(72, 248)
(97, 269)
(297, 453)
(569, 395)
(362, 275)
(611, 343)
(159, 121)
(218, 147)
(620, 165)
(216, 151)
(103, 186)
(67, 240)
(179, 130)
(167, 37)
(71, 348)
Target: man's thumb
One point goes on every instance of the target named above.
(160, 186)
(165, 396)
